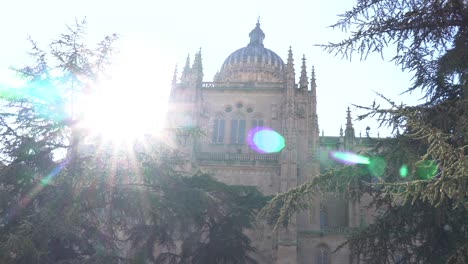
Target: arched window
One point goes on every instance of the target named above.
(323, 217)
(237, 130)
(218, 130)
(322, 255)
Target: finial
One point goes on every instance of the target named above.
(360, 134)
(323, 133)
(341, 131)
(378, 134)
(258, 20)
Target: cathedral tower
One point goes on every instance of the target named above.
(253, 91)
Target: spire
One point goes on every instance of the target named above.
(349, 130)
(174, 78)
(187, 63)
(197, 67)
(256, 35)
(303, 82)
(313, 85)
(341, 131)
(349, 123)
(290, 76)
(186, 71)
(290, 63)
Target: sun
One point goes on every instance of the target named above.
(130, 101)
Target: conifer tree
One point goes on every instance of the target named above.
(67, 198)
(423, 214)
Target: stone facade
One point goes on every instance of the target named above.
(254, 87)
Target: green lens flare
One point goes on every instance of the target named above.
(403, 171)
(377, 166)
(349, 158)
(426, 170)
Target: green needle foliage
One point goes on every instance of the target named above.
(67, 198)
(421, 216)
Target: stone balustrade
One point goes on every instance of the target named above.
(220, 156)
(267, 85)
(329, 231)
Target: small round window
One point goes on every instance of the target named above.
(228, 108)
(239, 105)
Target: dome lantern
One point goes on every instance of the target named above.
(253, 63)
(256, 36)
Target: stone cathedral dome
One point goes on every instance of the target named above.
(253, 63)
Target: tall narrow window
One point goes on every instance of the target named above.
(323, 255)
(218, 131)
(237, 131)
(323, 217)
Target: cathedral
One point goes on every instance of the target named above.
(255, 90)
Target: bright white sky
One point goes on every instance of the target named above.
(164, 32)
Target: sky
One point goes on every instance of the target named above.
(157, 35)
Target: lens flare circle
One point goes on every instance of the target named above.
(427, 169)
(403, 171)
(265, 140)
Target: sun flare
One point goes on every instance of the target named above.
(131, 101)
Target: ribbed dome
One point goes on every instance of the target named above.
(253, 63)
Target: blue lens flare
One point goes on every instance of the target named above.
(265, 140)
